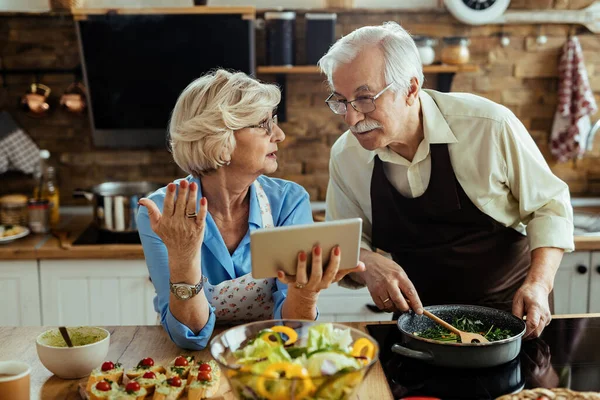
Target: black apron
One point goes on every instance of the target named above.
(451, 251)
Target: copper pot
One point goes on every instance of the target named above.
(73, 100)
(35, 101)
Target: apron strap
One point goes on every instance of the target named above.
(264, 205)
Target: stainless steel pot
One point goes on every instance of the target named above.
(460, 355)
(115, 203)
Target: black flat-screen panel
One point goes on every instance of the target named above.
(135, 67)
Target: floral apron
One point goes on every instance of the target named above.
(245, 298)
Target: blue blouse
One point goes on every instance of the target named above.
(290, 205)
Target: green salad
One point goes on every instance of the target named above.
(491, 333)
(277, 365)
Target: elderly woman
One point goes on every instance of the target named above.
(196, 231)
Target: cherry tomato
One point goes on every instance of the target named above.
(181, 362)
(174, 381)
(147, 362)
(205, 367)
(204, 376)
(149, 375)
(132, 386)
(108, 365)
(103, 386)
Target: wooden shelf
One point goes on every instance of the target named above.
(313, 69)
(249, 12)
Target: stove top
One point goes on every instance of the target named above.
(567, 355)
(92, 235)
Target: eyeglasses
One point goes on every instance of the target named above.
(363, 104)
(267, 124)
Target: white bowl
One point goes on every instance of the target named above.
(77, 361)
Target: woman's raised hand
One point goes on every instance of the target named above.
(180, 226)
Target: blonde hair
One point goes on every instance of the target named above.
(207, 113)
(402, 59)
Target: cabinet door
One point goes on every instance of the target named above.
(19, 293)
(96, 292)
(594, 303)
(571, 285)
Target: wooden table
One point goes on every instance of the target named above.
(128, 345)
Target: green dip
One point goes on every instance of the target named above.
(79, 337)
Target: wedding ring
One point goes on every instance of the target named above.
(191, 215)
(386, 300)
(299, 285)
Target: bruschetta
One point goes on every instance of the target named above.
(169, 389)
(206, 383)
(109, 370)
(103, 390)
(208, 371)
(147, 364)
(149, 380)
(132, 391)
(180, 366)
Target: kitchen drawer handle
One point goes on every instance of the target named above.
(598, 269)
(582, 269)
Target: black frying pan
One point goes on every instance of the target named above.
(460, 355)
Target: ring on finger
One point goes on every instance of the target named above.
(299, 285)
(191, 215)
(386, 300)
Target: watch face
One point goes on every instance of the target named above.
(183, 292)
(479, 4)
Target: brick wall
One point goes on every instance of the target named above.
(521, 76)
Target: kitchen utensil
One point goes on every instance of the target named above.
(115, 203)
(460, 355)
(89, 351)
(73, 100)
(65, 335)
(465, 337)
(35, 101)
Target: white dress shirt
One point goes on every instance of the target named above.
(494, 158)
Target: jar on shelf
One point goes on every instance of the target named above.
(455, 50)
(425, 46)
(13, 210)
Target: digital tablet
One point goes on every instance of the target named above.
(277, 248)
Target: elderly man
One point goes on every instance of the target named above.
(451, 185)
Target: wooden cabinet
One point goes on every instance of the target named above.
(571, 285)
(19, 293)
(96, 292)
(594, 292)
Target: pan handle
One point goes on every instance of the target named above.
(419, 355)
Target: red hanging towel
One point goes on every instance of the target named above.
(569, 138)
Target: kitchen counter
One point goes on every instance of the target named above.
(59, 245)
(128, 345)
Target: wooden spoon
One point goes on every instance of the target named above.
(465, 337)
(65, 335)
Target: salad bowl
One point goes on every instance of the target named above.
(294, 359)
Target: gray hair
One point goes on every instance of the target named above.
(402, 59)
(209, 111)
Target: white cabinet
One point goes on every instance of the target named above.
(594, 293)
(96, 292)
(571, 284)
(338, 304)
(19, 293)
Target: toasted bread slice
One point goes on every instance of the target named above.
(150, 384)
(164, 391)
(95, 394)
(180, 370)
(123, 394)
(114, 375)
(201, 390)
(142, 367)
(215, 371)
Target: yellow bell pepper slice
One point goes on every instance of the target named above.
(291, 334)
(363, 344)
(281, 392)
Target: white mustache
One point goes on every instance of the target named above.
(365, 126)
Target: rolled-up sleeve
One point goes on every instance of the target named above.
(157, 261)
(544, 200)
